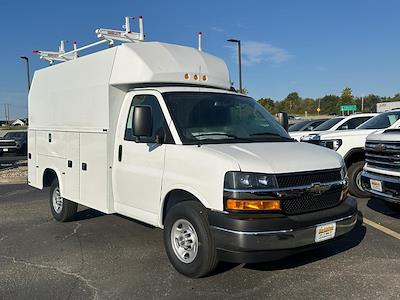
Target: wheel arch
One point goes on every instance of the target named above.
(48, 175)
(354, 155)
(177, 195)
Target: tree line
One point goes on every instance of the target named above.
(329, 104)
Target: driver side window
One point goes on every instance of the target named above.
(159, 124)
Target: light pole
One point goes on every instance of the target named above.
(239, 61)
(28, 76)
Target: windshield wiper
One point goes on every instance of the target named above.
(231, 136)
(271, 134)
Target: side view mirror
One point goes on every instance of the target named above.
(142, 121)
(344, 127)
(283, 119)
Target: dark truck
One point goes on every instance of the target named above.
(14, 142)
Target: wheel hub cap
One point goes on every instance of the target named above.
(358, 181)
(57, 200)
(184, 241)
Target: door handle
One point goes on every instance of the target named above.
(120, 153)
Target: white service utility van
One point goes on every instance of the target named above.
(154, 132)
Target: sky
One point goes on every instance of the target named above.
(311, 47)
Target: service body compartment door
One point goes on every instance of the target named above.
(93, 171)
(32, 158)
(72, 167)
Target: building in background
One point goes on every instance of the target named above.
(385, 106)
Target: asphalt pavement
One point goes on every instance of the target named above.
(99, 256)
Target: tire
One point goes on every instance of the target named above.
(190, 216)
(393, 206)
(355, 187)
(62, 209)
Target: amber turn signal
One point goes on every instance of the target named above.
(233, 204)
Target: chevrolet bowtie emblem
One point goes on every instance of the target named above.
(380, 147)
(317, 188)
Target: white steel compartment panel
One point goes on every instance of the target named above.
(51, 143)
(72, 170)
(32, 159)
(93, 180)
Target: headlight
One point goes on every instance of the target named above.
(331, 144)
(242, 180)
(310, 137)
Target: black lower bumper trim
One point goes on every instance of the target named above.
(240, 239)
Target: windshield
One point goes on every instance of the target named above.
(298, 126)
(384, 120)
(15, 135)
(328, 124)
(202, 117)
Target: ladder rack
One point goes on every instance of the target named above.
(106, 35)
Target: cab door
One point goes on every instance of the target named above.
(139, 163)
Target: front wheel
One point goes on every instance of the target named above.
(61, 208)
(355, 186)
(188, 241)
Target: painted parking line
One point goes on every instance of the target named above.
(388, 231)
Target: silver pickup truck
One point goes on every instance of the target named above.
(381, 175)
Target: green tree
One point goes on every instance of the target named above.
(346, 98)
(329, 104)
(268, 104)
(309, 105)
(292, 103)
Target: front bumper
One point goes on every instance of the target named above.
(259, 238)
(11, 149)
(390, 186)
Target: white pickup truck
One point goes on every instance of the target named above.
(153, 131)
(334, 124)
(381, 176)
(350, 145)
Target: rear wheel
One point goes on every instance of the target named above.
(355, 186)
(188, 241)
(393, 206)
(61, 208)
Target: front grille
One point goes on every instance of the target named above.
(307, 178)
(383, 155)
(7, 144)
(309, 202)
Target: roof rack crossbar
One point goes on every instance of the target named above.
(106, 36)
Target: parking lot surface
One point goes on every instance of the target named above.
(100, 256)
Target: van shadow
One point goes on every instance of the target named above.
(379, 206)
(342, 244)
(90, 213)
(86, 214)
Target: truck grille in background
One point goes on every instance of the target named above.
(7, 144)
(383, 155)
(307, 178)
(311, 202)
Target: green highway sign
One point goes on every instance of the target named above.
(348, 107)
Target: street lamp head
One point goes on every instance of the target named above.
(233, 40)
(24, 57)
